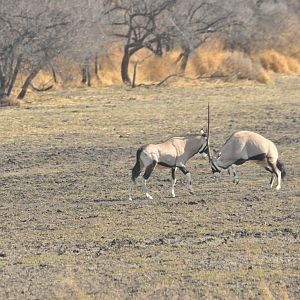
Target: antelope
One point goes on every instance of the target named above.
(245, 146)
(173, 153)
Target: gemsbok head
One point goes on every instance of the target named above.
(245, 146)
(173, 153)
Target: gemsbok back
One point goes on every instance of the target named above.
(245, 146)
(173, 153)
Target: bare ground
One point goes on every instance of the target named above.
(69, 232)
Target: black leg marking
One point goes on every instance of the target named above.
(273, 167)
(268, 169)
(173, 173)
(183, 170)
(149, 170)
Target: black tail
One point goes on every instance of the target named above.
(136, 170)
(281, 168)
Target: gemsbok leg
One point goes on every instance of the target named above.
(233, 174)
(148, 172)
(183, 169)
(173, 181)
(275, 171)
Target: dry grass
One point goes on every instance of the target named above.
(68, 230)
(273, 61)
(154, 68)
(9, 101)
(229, 65)
(209, 61)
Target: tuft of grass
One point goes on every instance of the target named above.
(8, 101)
(240, 66)
(272, 60)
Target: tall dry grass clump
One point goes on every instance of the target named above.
(211, 60)
(110, 64)
(241, 66)
(207, 59)
(215, 61)
(156, 68)
(271, 60)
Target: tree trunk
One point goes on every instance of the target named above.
(134, 75)
(53, 73)
(14, 75)
(96, 65)
(124, 66)
(88, 75)
(27, 83)
(86, 72)
(125, 62)
(184, 61)
(2, 84)
(83, 74)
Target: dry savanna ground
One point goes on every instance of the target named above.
(68, 230)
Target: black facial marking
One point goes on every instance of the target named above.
(214, 168)
(205, 149)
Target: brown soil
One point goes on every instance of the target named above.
(68, 230)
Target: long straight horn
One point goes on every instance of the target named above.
(208, 132)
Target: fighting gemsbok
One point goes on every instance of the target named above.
(173, 153)
(245, 146)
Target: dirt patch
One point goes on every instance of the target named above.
(68, 230)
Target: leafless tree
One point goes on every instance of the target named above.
(136, 22)
(195, 21)
(90, 39)
(34, 33)
(31, 36)
(267, 24)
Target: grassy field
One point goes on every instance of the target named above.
(68, 230)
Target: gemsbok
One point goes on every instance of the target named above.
(173, 153)
(245, 146)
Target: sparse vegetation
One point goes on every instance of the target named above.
(98, 42)
(68, 230)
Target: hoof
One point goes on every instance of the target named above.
(149, 196)
(130, 199)
(173, 196)
(236, 180)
